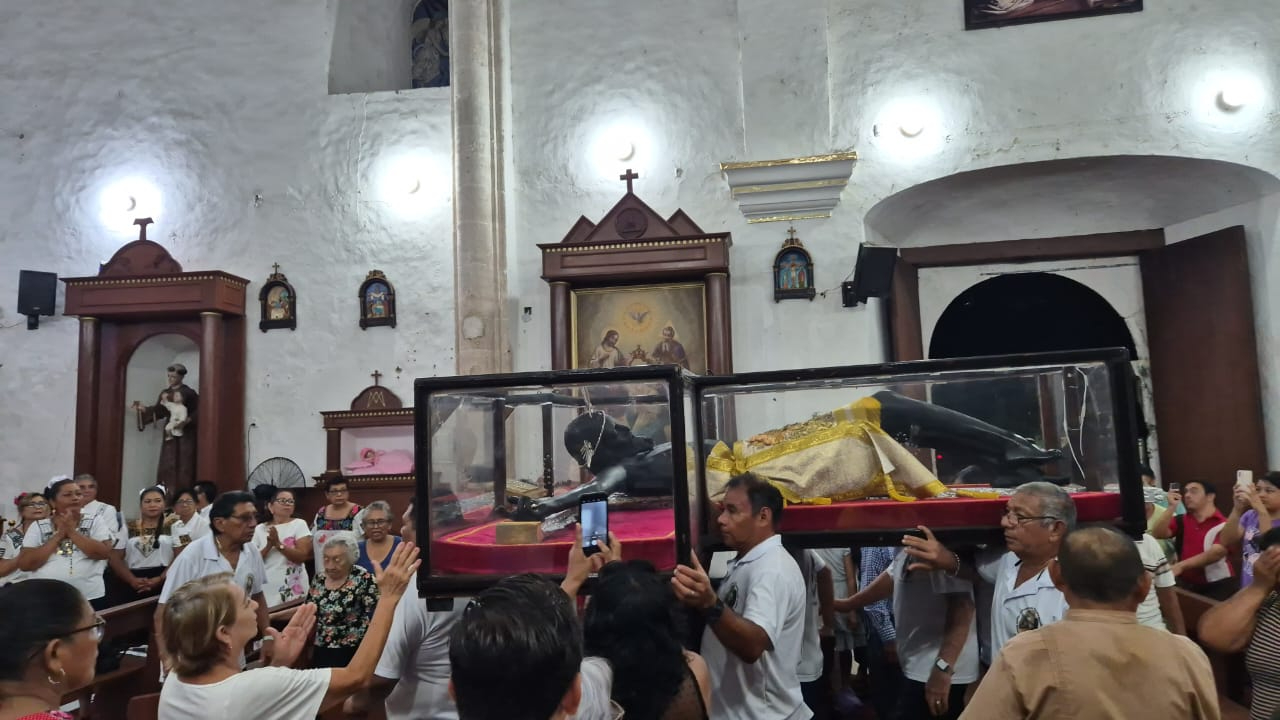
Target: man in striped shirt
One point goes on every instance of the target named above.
(885, 672)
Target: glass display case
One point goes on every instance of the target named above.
(864, 454)
(503, 460)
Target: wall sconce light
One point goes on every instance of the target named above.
(1232, 98)
(624, 149)
(911, 128)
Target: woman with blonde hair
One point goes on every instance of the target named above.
(206, 623)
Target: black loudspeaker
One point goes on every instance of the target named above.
(37, 295)
(872, 275)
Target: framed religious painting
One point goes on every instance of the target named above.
(793, 271)
(641, 325)
(278, 303)
(638, 288)
(377, 301)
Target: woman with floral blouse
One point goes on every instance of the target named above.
(345, 596)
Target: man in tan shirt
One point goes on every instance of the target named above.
(1098, 662)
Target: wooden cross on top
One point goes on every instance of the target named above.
(628, 176)
(275, 268)
(142, 223)
(791, 232)
(376, 377)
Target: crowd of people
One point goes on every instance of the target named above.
(1059, 621)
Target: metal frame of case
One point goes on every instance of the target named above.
(683, 386)
(1125, 426)
(678, 382)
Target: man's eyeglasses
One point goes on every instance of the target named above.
(1020, 518)
(243, 517)
(185, 502)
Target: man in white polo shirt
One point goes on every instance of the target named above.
(1037, 517)
(756, 622)
(232, 519)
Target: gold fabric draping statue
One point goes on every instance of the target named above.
(177, 465)
(854, 452)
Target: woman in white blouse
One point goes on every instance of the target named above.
(31, 507)
(68, 546)
(285, 544)
(208, 620)
(187, 523)
(147, 548)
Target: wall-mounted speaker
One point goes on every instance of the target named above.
(37, 295)
(872, 275)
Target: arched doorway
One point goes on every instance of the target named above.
(1013, 314)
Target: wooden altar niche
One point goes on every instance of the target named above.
(138, 294)
(634, 245)
(374, 407)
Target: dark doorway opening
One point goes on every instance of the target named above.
(1014, 314)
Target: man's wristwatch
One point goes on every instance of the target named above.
(944, 666)
(714, 612)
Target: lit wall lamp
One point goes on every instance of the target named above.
(1232, 98)
(911, 128)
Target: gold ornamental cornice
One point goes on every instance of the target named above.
(236, 283)
(642, 245)
(788, 218)
(807, 160)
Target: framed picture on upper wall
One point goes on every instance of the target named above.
(640, 325)
(980, 14)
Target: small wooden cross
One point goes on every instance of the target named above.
(376, 377)
(275, 268)
(628, 176)
(142, 223)
(791, 232)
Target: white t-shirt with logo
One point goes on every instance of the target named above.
(68, 563)
(920, 621)
(197, 528)
(1033, 604)
(1156, 563)
(766, 588)
(417, 655)
(286, 580)
(270, 692)
(110, 516)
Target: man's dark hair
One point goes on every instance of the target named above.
(1146, 471)
(207, 490)
(1100, 563)
(225, 505)
(1204, 484)
(761, 493)
(524, 629)
(1269, 538)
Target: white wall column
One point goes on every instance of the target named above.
(479, 242)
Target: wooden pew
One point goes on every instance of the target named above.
(135, 676)
(1229, 674)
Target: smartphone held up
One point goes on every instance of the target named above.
(593, 514)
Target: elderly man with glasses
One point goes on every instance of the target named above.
(1025, 597)
(233, 519)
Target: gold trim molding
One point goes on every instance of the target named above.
(810, 159)
(789, 218)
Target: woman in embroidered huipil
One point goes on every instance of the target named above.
(340, 515)
(345, 595)
(147, 547)
(67, 546)
(31, 507)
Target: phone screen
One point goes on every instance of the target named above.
(593, 513)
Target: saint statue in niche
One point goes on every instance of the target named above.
(177, 465)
